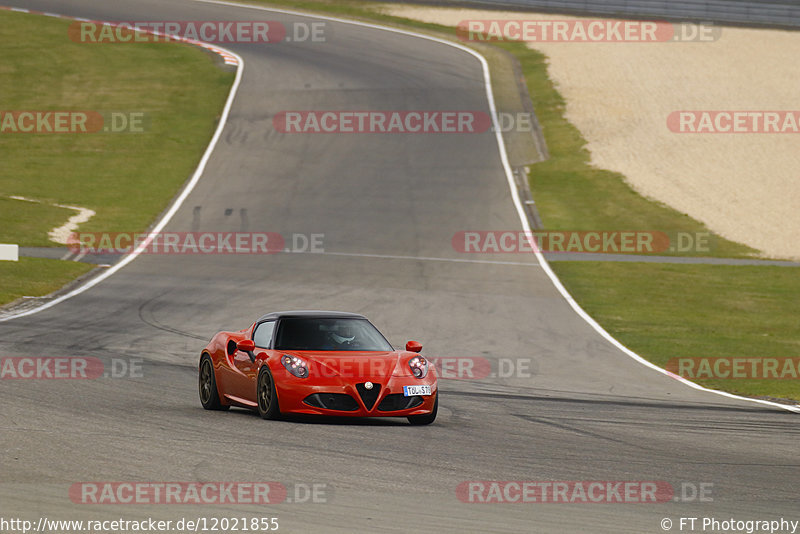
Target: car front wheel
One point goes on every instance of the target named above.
(266, 396)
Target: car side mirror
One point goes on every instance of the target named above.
(413, 346)
(246, 345)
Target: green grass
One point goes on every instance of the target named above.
(128, 179)
(28, 222)
(665, 311)
(36, 276)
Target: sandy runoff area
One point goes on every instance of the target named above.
(625, 97)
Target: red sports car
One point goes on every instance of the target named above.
(317, 362)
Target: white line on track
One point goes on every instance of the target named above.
(506, 167)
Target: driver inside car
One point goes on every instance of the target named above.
(342, 337)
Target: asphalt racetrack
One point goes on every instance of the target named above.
(583, 410)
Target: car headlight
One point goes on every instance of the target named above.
(419, 366)
(297, 366)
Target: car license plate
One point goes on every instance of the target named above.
(411, 391)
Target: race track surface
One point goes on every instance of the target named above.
(587, 412)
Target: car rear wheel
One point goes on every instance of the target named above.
(425, 419)
(266, 396)
(209, 396)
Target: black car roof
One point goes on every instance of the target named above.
(312, 314)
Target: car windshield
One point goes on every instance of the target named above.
(329, 334)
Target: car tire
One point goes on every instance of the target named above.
(428, 418)
(207, 385)
(266, 397)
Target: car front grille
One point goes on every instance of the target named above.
(369, 396)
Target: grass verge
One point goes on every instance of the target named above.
(128, 179)
(27, 223)
(36, 276)
(666, 311)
